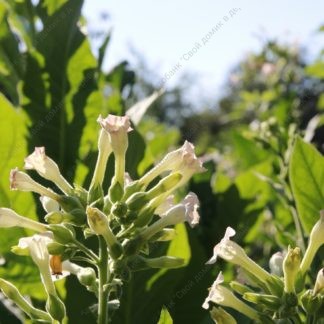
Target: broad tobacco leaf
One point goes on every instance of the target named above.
(306, 173)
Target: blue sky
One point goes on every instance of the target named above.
(165, 31)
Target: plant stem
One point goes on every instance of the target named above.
(103, 280)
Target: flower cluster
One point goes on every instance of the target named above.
(269, 297)
(125, 217)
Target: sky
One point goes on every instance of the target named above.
(204, 37)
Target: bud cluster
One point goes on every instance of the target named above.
(269, 297)
(126, 217)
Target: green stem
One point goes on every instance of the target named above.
(103, 280)
(86, 251)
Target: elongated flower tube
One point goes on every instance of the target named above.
(183, 160)
(185, 211)
(232, 252)
(316, 240)
(37, 247)
(290, 267)
(47, 168)
(104, 151)
(118, 128)
(98, 222)
(221, 295)
(13, 293)
(9, 218)
(220, 316)
(22, 181)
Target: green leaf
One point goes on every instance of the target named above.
(306, 173)
(165, 317)
(13, 148)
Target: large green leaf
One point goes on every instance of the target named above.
(13, 148)
(306, 173)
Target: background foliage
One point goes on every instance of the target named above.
(52, 90)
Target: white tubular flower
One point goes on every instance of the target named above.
(223, 296)
(37, 247)
(183, 160)
(9, 218)
(117, 128)
(316, 240)
(185, 211)
(22, 181)
(47, 168)
(49, 204)
(167, 204)
(232, 252)
(104, 151)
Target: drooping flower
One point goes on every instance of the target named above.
(22, 181)
(221, 295)
(37, 248)
(232, 252)
(316, 240)
(47, 168)
(9, 218)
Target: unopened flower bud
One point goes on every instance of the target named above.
(54, 218)
(98, 222)
(49, 204)
(319, 283)
(55, 248)
(316, 240)
(269, 301)
(220, 316)
(119, 209)
(13, 294)
(55, 307)
(87, 276)
(61, 233)
(69, 203)
(137, 201)
(239, 288)
(275, 263)
(116, 192)
(164, 185)
(95, 193)
(291, 265)
(310, 302)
